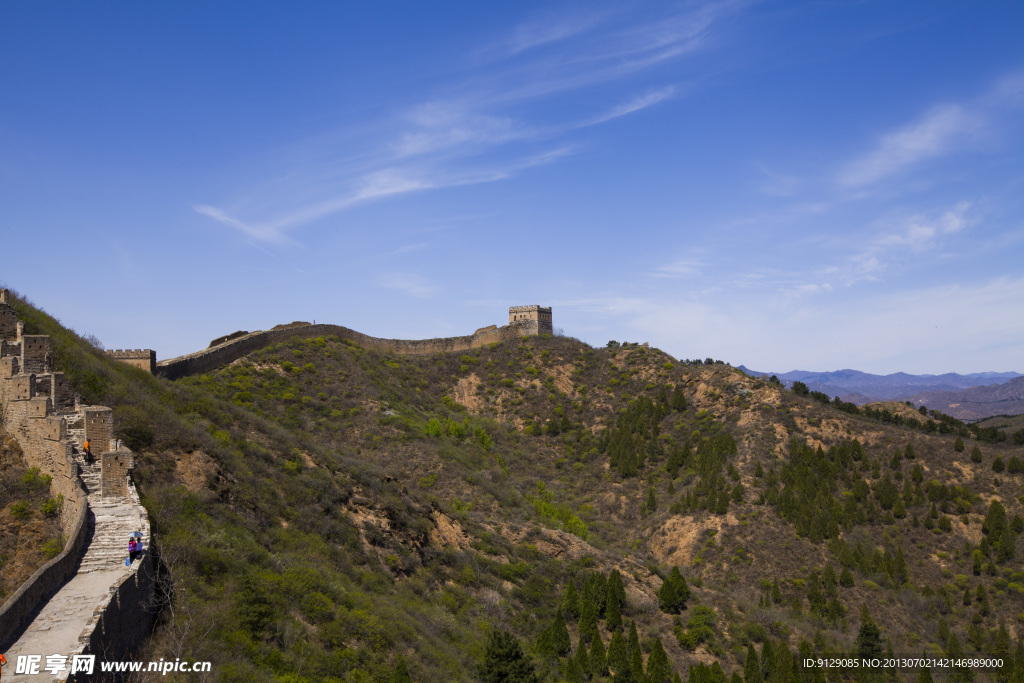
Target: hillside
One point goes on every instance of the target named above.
(324, 511)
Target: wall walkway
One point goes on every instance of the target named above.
(85, 600)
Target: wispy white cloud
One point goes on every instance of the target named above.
(477, 132)
(549, 28)
(934, 134)
(442, 125)
(636, 104)
(406, 249)
(920, 233)
(940, 130)
(679, 268)
(409, 283)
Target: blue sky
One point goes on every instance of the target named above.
(813, 185)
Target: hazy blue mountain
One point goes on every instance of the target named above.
(863, 387)
(1006, 398)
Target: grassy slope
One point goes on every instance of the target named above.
(323, 509)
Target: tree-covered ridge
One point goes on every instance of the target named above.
(327, 512)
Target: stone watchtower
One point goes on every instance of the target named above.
(531, 319)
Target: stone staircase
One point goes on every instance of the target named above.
(67, 615)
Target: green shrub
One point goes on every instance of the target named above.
(52, 548)
(20, 510)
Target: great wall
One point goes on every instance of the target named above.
(84, 601)
(523, 320)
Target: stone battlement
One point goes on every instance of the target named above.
(531, 319)
(238, 346)
(144, 359)
(39, 408)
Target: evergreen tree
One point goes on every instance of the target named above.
(582, 660)
(784, 665)
(560, 636)
(909, 453)
(900, 573)
(505, 661)
(846, 578)
(736, 678)
(767, 660)
(613, 615)
(776, 592)
(633, 641)
(617, 660)
(573, 673)
(752, 666)
(976, 454)
(615, 586)
(958, 445)
(651, 504)
(400, 674)
(998, 465)
(678, 399)
(588, 618)
(598, 660)
(636, 667)
(571, 601)
(925, 674)
(995, 524)
(869, 637)
(658, 667)
(674, 593)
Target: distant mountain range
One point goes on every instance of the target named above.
(966, 397)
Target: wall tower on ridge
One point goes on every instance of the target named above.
(531, 319)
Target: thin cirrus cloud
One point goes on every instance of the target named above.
(445, 142)
(644, 101)
(932, 135)
(942, 129)
(679, 268)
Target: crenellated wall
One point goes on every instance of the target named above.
(212, 358)
(35, 406)
(144, 359)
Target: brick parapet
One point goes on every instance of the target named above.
(144, 359)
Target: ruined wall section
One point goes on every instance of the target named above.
(210, 359)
